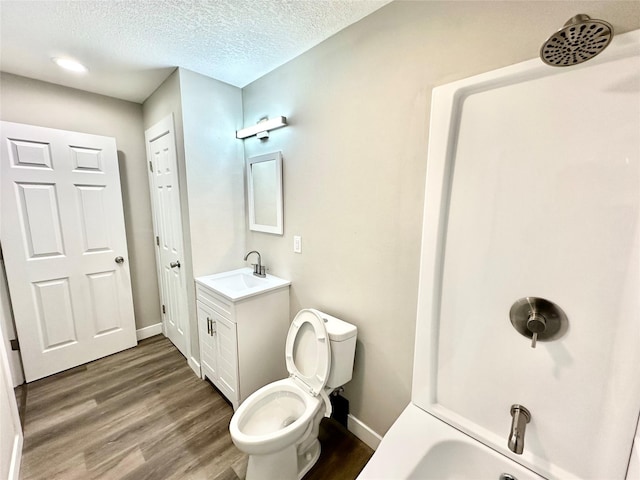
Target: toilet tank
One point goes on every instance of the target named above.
(342, 337)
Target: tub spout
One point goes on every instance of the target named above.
(521, 417)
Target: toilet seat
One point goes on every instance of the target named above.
(308, 351)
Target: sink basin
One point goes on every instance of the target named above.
(239, 282)
(242, 283)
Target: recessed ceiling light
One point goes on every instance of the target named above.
(69, 64)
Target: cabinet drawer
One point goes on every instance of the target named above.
(219, 304)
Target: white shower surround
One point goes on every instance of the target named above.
(524, 163)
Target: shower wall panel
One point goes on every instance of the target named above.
(540, 197)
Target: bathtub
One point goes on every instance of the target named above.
(420, 446)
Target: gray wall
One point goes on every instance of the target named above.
(39, 103)
(355, 158)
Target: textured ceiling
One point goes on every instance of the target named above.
(131, 46)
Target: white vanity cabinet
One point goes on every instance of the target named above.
(242, 337)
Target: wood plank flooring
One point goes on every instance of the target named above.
(143, 414)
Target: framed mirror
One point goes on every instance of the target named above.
(264, 191)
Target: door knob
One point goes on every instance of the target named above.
(175, 264)
(119, 260)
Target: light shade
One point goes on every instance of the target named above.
(262, 126)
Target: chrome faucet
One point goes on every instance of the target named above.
(521, 417)
(259, 270)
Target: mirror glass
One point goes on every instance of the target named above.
(264, 182)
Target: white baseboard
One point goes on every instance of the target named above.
(16, 459)
(195, 366)
(363, 432)
(150, 331)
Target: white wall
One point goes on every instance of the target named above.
(25, 100)
(355, 161)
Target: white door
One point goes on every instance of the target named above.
(167, 220)
(65, 249)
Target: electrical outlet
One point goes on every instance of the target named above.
(297, 244)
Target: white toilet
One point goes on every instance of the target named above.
(278, 424)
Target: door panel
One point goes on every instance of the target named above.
(54, 313)
(62, 228)
(105, 302)
(29, 154)
(86, 159)
(39, 219)
(91, 200)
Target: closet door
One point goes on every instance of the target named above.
(63, 237)
(167, 221)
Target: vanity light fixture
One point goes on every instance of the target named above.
(261, 129)
(69, 64)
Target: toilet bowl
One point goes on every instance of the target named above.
(278, 424)
(274, 417)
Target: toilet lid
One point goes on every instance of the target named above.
(307, 351)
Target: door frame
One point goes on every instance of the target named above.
(7, 389)
(7, 325)
(166, 126)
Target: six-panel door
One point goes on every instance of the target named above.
(63, 239)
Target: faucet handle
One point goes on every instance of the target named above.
(259, 270)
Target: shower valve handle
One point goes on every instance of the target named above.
(538, 319)
(536, 324)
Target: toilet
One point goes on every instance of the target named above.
(278, 424)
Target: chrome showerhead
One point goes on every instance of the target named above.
(579, 40)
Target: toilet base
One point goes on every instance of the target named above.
(280, 465)
(308, 459)
(283, 465)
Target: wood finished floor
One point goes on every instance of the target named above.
(143, 414)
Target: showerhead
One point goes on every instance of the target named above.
(579, 40)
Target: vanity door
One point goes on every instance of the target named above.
(227, 358)
(207, 342)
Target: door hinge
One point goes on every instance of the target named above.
(150, 166)
(163, 309)
(157, 240)
(15, 345)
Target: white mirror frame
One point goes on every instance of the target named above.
(277, 200)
